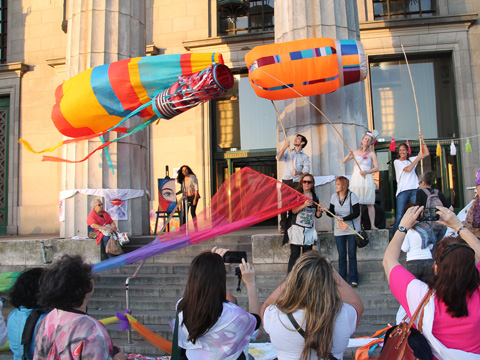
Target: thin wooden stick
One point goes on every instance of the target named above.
(416, 103)
(328, 211)
(284, 134)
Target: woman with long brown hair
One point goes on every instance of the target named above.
(210, 327)
(452, 315)
(313, 313)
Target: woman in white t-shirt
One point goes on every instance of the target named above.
(407, 180)
(313, 313)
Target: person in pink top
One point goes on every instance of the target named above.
(451, 319)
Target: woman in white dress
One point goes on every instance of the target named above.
(362, 183)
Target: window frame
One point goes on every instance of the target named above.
(222, 15)
(404, 14)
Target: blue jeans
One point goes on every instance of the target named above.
(405, 197)
(342, 243)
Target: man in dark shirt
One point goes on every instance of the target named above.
(426, 182)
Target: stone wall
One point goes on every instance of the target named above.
(24, 253)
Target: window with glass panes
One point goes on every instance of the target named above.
(3, 31)
(401, 9)
(237, 17)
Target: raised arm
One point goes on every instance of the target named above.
(348, 157)
(282, 150)
(392, 254)
(248, 277)
(451, 220)
(419, 157)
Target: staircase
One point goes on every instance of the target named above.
(162, 280)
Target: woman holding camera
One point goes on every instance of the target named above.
(452, 313)
(209, 326)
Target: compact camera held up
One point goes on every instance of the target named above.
(428, 214)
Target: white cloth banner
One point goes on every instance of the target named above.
(322, 180)
(115, 200)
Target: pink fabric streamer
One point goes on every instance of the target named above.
(244, 199)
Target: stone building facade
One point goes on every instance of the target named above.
(46, 42)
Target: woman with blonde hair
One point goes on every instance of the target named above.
(362, 182)
(313, 313)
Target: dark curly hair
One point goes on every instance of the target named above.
(65, 285)
(180, 176)
(25, 290)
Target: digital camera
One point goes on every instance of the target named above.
(234, 257)
(428, 214)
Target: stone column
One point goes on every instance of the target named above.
(100, 32)
(345, 108)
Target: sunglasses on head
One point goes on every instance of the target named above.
(307, 182)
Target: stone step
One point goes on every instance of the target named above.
(221, 241)
(141, 292)
(268, 248)
(376, 318)
(139, 347)
(260, 269)
(160, 280)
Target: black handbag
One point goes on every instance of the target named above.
(362, 239)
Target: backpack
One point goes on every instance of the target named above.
(433, 200)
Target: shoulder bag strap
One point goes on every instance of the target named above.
(295, 325)
(420, 308)
(176, 352)
(29, 329)
(301, 332)
(351, 211)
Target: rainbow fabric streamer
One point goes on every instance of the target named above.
(244, 199)
(153, 338)
(8, 279)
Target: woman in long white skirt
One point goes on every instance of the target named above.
(362, 183)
